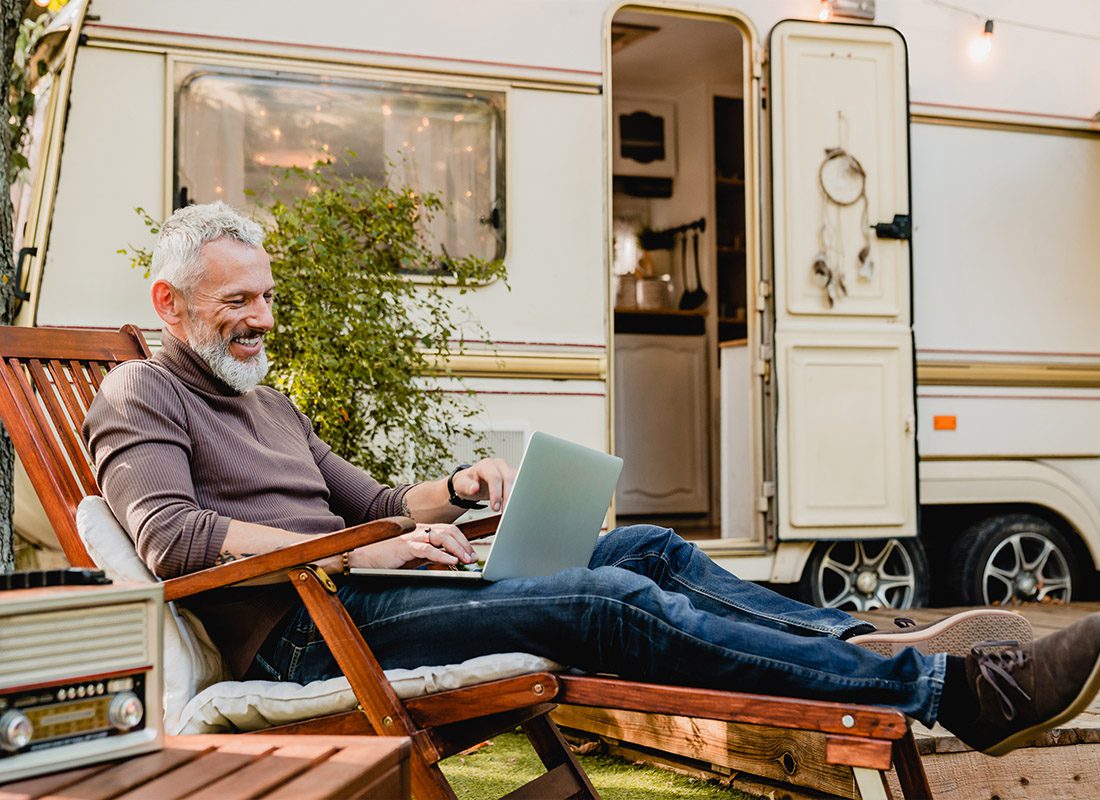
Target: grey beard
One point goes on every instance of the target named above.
(243, 376)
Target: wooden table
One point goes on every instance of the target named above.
(238, 767)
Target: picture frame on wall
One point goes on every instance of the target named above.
(644, 137)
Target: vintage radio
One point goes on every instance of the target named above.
(80, 676)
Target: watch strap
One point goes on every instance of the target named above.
(460, 502)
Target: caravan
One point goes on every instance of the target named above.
(819, 274)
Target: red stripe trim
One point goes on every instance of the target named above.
(1002, 111)
(534, 344)
(1094, 398)
(531, 394)
(1008, 353)
(99, 676)
(337, 49)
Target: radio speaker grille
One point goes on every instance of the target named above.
(55, 645)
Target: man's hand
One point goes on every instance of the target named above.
(438, 542)
(489, 479)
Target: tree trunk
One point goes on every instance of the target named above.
(11, 14)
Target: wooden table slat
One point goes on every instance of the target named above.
(332, 780)
(44, 785)
(110, 783)
(191, 777)
(266, 774)
(237, 767)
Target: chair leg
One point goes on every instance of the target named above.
(871, 784)
(428, 782)
(910, 769)
(554, 752)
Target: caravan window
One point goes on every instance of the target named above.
(234, 129)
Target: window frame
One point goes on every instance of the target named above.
(183, 68)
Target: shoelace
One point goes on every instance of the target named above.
(905, 622)
(996, 663)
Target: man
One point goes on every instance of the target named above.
(202, 466)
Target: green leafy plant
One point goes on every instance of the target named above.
(20, 96)
(365, 317)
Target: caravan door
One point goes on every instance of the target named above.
(845, 421)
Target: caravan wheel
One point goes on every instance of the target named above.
(867, 574)
(1013, 558)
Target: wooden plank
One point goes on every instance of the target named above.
(854, 751)
(742, 781)
(1049, 773)
(107, 784)
(347, 773)
(457, 705)
(263, 775)
(558, 782)
(312, 548)
(45, 785)
(796, 757)
(777, 712)
(345, 723)
(394, 783)
(191, 777)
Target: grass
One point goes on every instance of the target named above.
(508, 762)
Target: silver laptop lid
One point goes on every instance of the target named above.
(552, 519)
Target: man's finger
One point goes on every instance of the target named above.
(431, 553)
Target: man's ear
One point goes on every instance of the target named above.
(167, 302)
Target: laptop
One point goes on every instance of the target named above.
(551, 520)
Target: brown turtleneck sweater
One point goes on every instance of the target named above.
(178, 454)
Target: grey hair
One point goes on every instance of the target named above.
(177, 253)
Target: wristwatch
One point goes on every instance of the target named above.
(461, 502)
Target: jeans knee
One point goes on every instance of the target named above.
(630, 539)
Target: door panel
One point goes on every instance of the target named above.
(839, 86)
(661, 424)
(847, 455)
(845, 439)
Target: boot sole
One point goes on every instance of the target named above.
(954, 635)
(1079, 704)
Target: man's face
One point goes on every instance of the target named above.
(229, 312)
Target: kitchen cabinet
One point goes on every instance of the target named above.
(661, 424)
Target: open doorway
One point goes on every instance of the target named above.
(684, 320)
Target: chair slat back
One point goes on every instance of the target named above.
(48, 379)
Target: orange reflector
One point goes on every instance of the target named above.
(943, 423)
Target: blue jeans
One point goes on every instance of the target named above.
(651, 606)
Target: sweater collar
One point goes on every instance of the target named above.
(189, 367)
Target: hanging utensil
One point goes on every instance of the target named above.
(681, 265)
(693, 298)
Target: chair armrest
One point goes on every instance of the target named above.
(480, 528)
(311, 549)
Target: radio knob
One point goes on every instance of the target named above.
(125, 710)
(15, 730)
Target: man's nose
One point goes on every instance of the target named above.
(260, 316)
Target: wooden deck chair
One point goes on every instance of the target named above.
(48, 377)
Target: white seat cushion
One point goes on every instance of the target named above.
(254, 705)
(198, 699)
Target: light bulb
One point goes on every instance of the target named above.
(825, 11)
(982, 45)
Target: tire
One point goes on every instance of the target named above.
(1012, 559)
(862, 575)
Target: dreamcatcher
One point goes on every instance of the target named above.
(843, 183)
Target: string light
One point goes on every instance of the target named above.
(1016, 23)
(825, 11)
(982, 45)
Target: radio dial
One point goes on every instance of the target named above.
(125, 710)
(15, 730)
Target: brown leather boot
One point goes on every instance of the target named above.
(1022, 691)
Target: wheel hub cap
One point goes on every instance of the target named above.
(1027, 585)
(867, 582)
